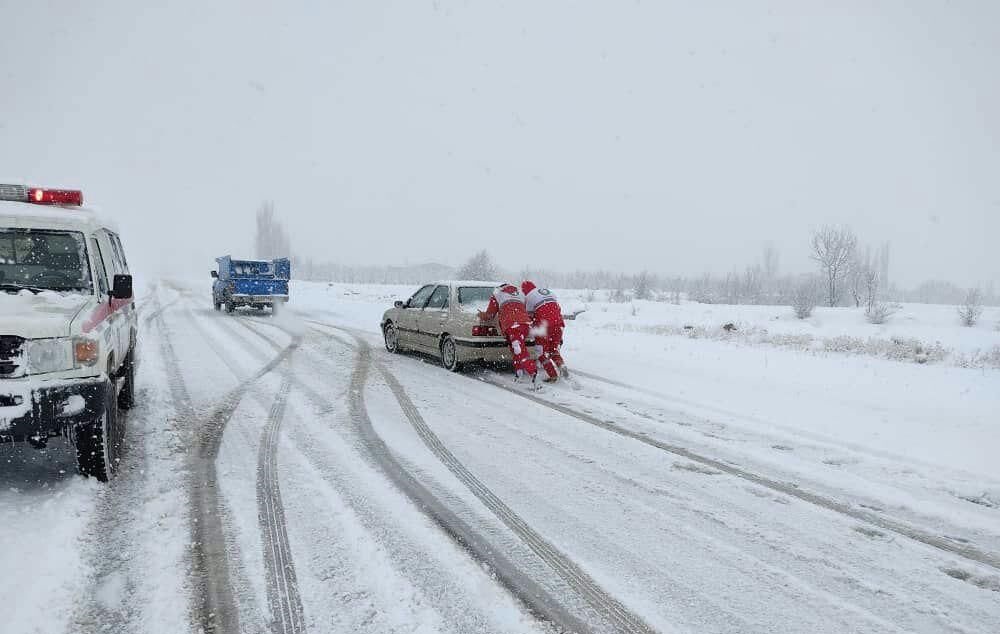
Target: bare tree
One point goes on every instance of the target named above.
(770, 260)
(271, 241)
(701, 290)
(769, 265)
(872, 280)
(861, 263)
(644, 285)
(804, 296)
(618, 294)
(833, 248)
(883, 264)
(877, 310)
(479, 267)
(752, 291)
(972, 309)
(880, 312)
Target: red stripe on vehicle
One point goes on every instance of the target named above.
(103, 311)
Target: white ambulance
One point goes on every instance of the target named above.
(68, 327)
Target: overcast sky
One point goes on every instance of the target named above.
(678, 137)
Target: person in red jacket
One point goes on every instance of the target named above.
(547, 326)
(508, 303)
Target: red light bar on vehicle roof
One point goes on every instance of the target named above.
(40, 196)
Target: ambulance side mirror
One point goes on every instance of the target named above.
(398, 304)
(122, 287)
(215, 274)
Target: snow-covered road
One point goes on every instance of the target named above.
(287, 474)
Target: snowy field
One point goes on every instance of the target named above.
(935, 329)
(287, 474)
(933, 411)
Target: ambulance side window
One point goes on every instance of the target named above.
(112, 262)
(116, 253)
(101, 273)
(111, 266)
(115, 240)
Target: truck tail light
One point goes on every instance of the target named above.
(484, 331)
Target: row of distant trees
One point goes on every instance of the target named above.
(846, 273)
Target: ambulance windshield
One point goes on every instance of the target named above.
(38, 260)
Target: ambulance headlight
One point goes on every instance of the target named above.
(49, 355)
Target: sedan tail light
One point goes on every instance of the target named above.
(484, 331)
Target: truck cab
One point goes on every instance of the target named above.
(256, 283)
(68, 327)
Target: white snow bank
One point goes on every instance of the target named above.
(919, 332)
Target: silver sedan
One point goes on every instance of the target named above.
(442, 319)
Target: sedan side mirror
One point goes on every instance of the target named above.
(398, 304)
(215, 274)
(122, 287)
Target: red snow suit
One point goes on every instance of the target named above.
(547, 324)
(508, 303)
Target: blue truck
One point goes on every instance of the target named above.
(256, 283)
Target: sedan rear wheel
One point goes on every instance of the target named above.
(449, 354)
(391, 337)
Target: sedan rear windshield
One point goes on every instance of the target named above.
(44, 260)
(476, 297)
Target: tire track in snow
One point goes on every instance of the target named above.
(409, 556)
(810, 436)
(789, 489)
(622, 619)
(282, 585)
(966, 551)
(529, 592)
(616, 617)
(536, 599)
(217, 611)
(284, 599)
(416, 560)
(159, 310)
